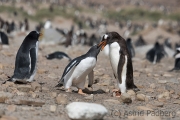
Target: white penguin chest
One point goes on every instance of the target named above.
(84, 67)
(114, 56)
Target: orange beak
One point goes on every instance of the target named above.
(40, 36)
(102, 44)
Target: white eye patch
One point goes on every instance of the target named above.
(105, 36)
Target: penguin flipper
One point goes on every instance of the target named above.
(33, 59)
(91, 78)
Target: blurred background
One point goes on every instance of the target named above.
(152, 19)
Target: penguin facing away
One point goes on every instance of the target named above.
(155, 54)
(120, 60)
(76, 71)
(26, 59)
(58, 55)
(177, 60)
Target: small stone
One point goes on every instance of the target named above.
(1, 66)
(162, 81)
(4, 96)
(149, 90)
(131, 92)
(86, 111)
(141, 97)
(24, 88)
(9, 84)
(144, 108)
(125, 98)
(157, 104)
(53, 108)
(90, 97)
(167, 75)
(53, 94)
(52, 76)
(36, 86)
(61, 99)
(107, 90)
(11, 108)
(153, 86)
(45, 89)
(20, 93)
(41, 71)
(156, 75)
(34, 95)
(136, 74)
(149, 75)
(9, 118)
(30, 103)
(175, 96)
(176, 102)
(111, 101)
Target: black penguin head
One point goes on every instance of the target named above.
(109, 38)
(34, 35)
(94, 50)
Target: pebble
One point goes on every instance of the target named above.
(111, 101)
(41, 71)
(45, 89)
(9, 118)
(86, 111)
(11, 108)
(144, 108)
(131, 92)
(157, 104)
(4, 96)
(175, 96)
(53, 108)
(53, 94)
(89, 97)
(177, 102)
(141, 97)
(36, 86)
(52, 76)
(24, 88)
(162, 81)
(125, 98)
(167, 75)
(136, 74)
(152, 86)
(61, 99)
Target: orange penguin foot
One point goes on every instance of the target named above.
(116, 93)
(81, 92)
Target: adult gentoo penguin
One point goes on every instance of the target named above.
(177, 60)
(58, 55)
(120, 60)
(76, 71)
(26, 59)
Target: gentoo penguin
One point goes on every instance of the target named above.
(140, 42)
(58, 55)
(120, 60)
(177, 60)
(4, 38)
(26, 59)
(155, 54)
(130, 47)
(76, 71)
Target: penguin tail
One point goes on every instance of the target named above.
(135, 88)
(59, 85)
(10, 80)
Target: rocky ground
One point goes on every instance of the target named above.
(157, 99)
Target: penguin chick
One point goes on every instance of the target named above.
(26, 59)
(76, 71)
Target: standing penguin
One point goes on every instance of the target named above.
(120, 60)
(76, 71)
(177, 60)
(3, 38)
(26, 59)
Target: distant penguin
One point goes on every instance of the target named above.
(120, 60)
(26, 59)
(167, 43)
(47, 24)
(26, 23)
(177, 60)
(4, 38)
(76, 71)
(155, 54)
(140, 42)
(58, 55)
(130, 47)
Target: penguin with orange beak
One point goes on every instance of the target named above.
(120, 60)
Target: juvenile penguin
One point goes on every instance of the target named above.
(26, 59)
(120, 60)
(155, 54)
(177, 60)
(58, 55)
(76, 71)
